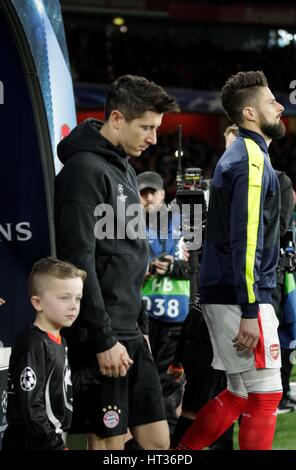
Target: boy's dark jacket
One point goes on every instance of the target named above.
(39, 393)
(96, 172)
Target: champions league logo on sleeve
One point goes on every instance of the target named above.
(28, 379)
(122, 197)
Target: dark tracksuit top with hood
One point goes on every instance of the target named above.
(242, 241)
(96, 172)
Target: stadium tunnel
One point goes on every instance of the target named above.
(35, 113)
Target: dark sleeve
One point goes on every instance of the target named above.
(29, 379)
(143, 320)
(179, 351)
(76, 243)
(287, 201)
(77, 194)
(192, 321)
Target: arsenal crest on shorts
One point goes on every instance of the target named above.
(274, 351)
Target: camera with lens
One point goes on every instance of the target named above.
(191, 188)
(191, 199)
(162, 257)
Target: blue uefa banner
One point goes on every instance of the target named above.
(36, 110)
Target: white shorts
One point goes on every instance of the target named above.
(223, 324)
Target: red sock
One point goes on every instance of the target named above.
(213, 420)
(259, 419)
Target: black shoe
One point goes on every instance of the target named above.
(291, 402)
(284, 407)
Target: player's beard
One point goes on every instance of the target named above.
(273, 131)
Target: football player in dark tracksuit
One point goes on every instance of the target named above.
(96, 196)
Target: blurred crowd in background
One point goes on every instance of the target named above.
(199, 153)
(189, 55)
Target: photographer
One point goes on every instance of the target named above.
(166, 288)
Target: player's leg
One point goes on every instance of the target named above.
(219, 414)
(152, 436)
(259, 416)
(147, 417)
(95, 442)
(264, 386)
(163, 340)
(107, 412)
(216, 416)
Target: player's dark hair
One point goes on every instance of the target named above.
(133, 96)
(239, 91)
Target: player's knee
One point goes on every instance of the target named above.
(156, 442)
(265, 402)
(161, 443)
(236, 385)
(154, 436)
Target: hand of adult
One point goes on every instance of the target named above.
(114, 362)
(162, 267)
(248, 335)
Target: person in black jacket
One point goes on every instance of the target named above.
(96, 197)
(39, 378)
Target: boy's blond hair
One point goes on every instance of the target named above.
(55, 268)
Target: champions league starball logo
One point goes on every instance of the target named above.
(28, 379)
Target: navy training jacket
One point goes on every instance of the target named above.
(241, 247)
